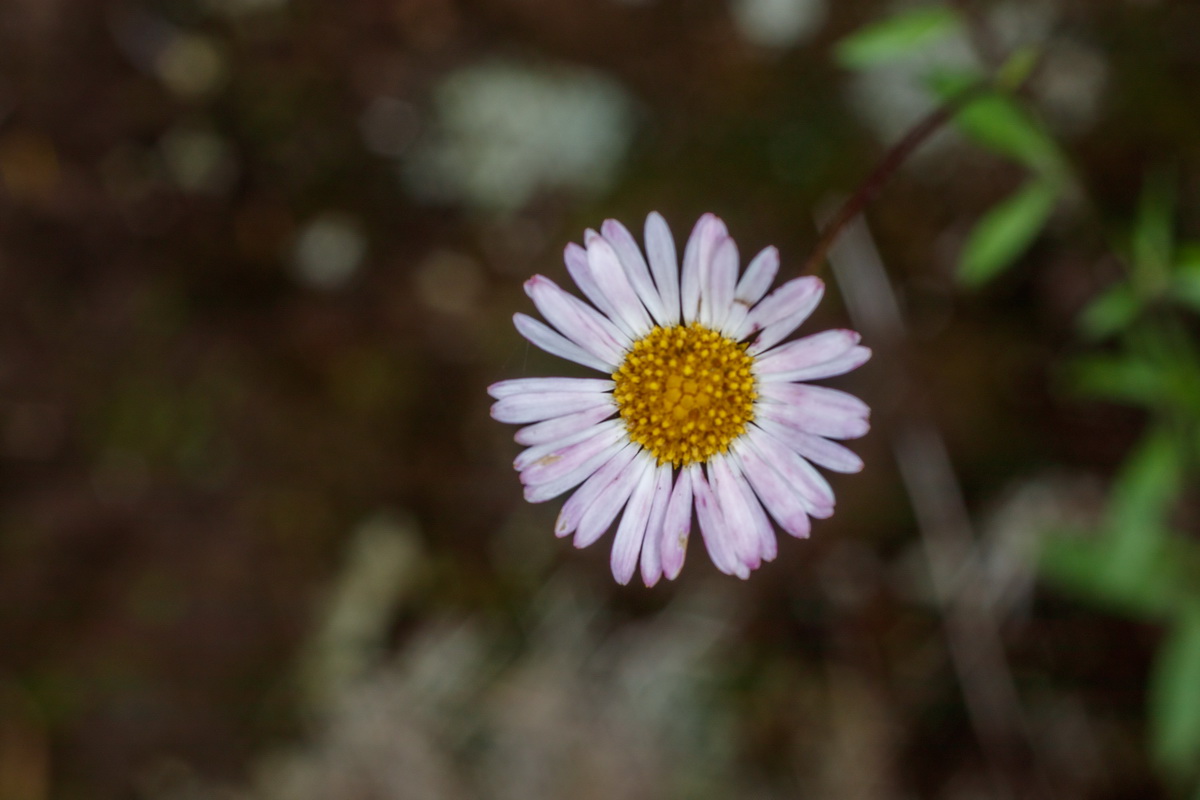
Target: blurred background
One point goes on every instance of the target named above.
(260, 539)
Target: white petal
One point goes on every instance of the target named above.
(816, 449)
(815, 409)
(713, 527)
(576, 320)
(541, 464)
(576, 259)
(612, 281)
(627, 543)
(540, 335)
(551, 431)
(578, 503)
(635, 268)
(814, 490)
(802, 353)
(783, 311)
(739, 521)
(721, 285)
(537, 406)
(652, 544)
(750, 288)
(677, 524)
(697, 255)
(768, 547)
(780, 499)
(525, 385)
(556, 482)
(850, 360)
(660, 247)
(534, 453)
(597, 519)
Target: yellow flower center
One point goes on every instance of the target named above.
(685, 393)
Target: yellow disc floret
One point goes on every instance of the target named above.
(685, 393)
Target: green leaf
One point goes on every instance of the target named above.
(1118, 378)
(1153, 234)
(1083, 565)
(1148, 484)
(1111, 312)
(1005, 232)
(995, 122)
(1185, 284)
(1174, 695)
(896, 36)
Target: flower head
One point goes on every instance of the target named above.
(703, 408)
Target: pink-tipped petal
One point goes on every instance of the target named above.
(578, 503)
(816, 449)
(660, 248)
(580, 269)
(554, 431)
(717, 302)
(543, 467)
(677, 524)
(636, 268)
(537, 406)
(714, 529)
(774, 319)
(768, 547)
(652, 569)
(739, 526)
(597, 519)
(550, 451)
(612, 281)
(552, 485)
(851, 360)
(697, 258)
(576, 320)
(815, 409)
(527, 385)
(781, 501)
(815, 492)
(631, 530)
(803, 353)
(540, 335)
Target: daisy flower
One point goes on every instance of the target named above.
(703, 406)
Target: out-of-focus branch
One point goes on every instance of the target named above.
(972, 633)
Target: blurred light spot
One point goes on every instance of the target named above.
(778, 23)
(1070, 84)
(198, 160)
(505, 131)
(450, 282)
(190, 65)
(388, 126)
(329, 251)
(29, 167)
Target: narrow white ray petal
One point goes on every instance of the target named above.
(569, 474)
(816, 449)
(526, 385)
(781, 500)
(636, 268)
(660, 247)
(773, 320)
(714, 529)
(768, 547)
(580, 269)
(814, 409)
(576, 320)
(677, 524)
(815, 492)
(535, 453)
(631, 530)
(751, 287)
(597, 519)
(652, 569)
(851, 360)
(612, 281)
(801, 353)
(690, 281)
(712, 238)
(552, 431)
(545, 462)
(739, 522)
(578, 503)
(721, 284)
(542, 336)
(537, 406)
